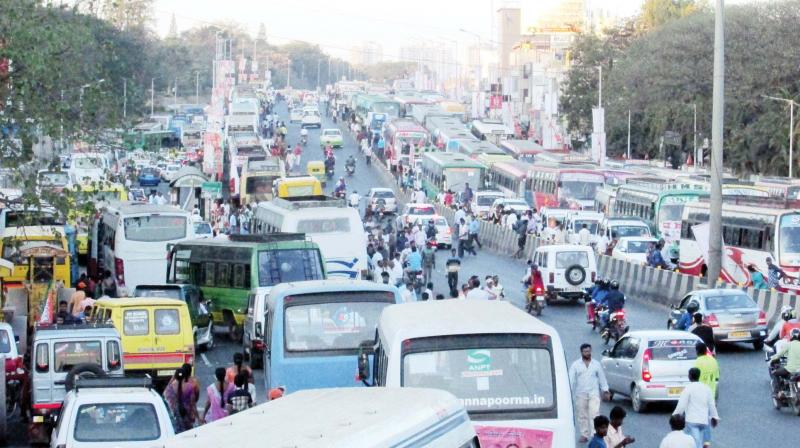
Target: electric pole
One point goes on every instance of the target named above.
(714, 262)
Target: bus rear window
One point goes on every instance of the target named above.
(288, 265)
(323, 225)
(155, 228)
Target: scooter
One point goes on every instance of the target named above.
(351, 169)
(535, 300)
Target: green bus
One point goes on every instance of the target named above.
(150, 140)
(227, 269)
(447, 170)
(660, 208)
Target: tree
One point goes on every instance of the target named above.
(128, 14)
(656, 13)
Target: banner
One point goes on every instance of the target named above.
(500, 436)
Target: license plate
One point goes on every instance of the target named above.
(674, 390)
(38, 419)
(165, 372)
(739, 334)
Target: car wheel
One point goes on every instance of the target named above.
(575, 275)
(85, 370)
(758, 344)
(636, 400)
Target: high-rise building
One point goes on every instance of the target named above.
(508, 34)
(367, 53)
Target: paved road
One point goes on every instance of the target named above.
(744, 401)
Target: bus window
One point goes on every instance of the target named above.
(155, 228)
(208, 270)
(223, 275)
(238, 276)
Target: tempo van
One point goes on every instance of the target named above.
(507, 367)
(342, 418)
(309, 332)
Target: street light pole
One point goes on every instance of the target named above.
(175, 94)
(124, 98)
(791, 127)
(319, 61)
(600, 86)
(289, 74)
(714, 262)
(698, 160)
(629, 134)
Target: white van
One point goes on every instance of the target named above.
(335, 227)
(567, 269)
(577, 219)
(342, 418)
(507, 367)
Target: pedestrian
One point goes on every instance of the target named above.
(703, 331)
(521, 228)
(407, 294)
(240, 399)
(587, 379)
(677, 438)
(614, 437)
(600, 431)
(453, 265)
(474, 229)
(774, 275)
(709, 367)
(466, 198)
(757, 278)
(584, 235)
(475, 292)
(217, 394)
(697, 404)
(180, 398)
(428, 262)
(236, 368)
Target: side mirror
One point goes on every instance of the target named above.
(364, 349)
(259, 330)
(607, 352)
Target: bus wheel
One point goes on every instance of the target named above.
(235, 332)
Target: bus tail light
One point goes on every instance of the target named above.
(119, 267)
(648, 355)
(762, 318)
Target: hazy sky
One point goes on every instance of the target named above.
(338, 25)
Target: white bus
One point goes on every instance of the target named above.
(335, 227)
(130, 240)
(342, 418)
(507, 367)
(750, 233)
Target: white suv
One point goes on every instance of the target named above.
(112, 412)
(311, 118)
(567, 269)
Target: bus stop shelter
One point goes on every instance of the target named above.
(184, 190)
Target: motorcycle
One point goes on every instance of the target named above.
(351, 169)
(329, 173)
(535, 300)
(304, 140)
(788, 388)
(616, 327)
(598, 311)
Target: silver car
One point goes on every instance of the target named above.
(731, 313)
(382, 198)
(650, 366)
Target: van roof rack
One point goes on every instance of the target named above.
(267, 237)
(111, 382)
(81, 326)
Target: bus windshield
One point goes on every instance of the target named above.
(155, 228)
(260, 186)
(496, 377)
(288, 265)
(457, 178)
(579, 189)
(391, 109)
(790, 236)
(335, 325)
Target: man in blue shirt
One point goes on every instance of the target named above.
(600, 430)
(474, 228)
(414, 261)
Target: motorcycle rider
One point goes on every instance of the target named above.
(598, 294)
(428, 261)
(787, 316)
(533, 282)
(328, 150)
(354, 199)
(330, 164)
(341, 187)
(413, 264)
(431, 231)
(304, 136)
(615, 301)
(350, 164)
(686, 318)
(792, 352)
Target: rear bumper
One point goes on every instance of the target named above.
(740, 335)
(660, 391)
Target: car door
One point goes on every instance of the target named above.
(625, 367)
(611, 364)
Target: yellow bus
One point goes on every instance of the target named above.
(298, 186)
(99, 193)
(43, 247)
(258, 175)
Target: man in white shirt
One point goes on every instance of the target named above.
(511, 220)
(355, 199)
(476, 293)
(419, 236)
(407, 294)
(396, 271)
(459, 214)
(697, 403)
(419, 197)
(677, 438)
(602, 244)
(587, 379)
(584, 235)
(160, 199)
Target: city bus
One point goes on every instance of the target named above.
(408, 103)
(446, 132)
(443, 171)
(750, 234)
(129, 239)
(781, 187)
(660, 209)
(491, 130)
(258, 177)
(525, 150)
(335, 227)
(374, 110)
(97, 193)
(227, 269)
(405, 140)
(19, 244)
(473, 148)
(563, 186)
(490, 159)
(507, 367)
(511, 178)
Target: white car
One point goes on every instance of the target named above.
(633, 249)
(444, 235)
(576, 221)
(513, 204)
(112, 412)
(202, 229)
(483, 201)
(169, 172)
(412, 212)
(382, 197)
(311, 118)
(621, 227)
(296, 115)
(567, 269)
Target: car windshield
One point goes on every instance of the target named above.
(571, 258)
(202, 228)
(729, 302)
(149, 172)
(486, 200)
(116, 422)
(5, 342)
(590, 225)
(288, 265)
(155, 228)
(790, 235)
(383, 194)
(336, 325)
(331, 133)
(638, 247)
(69, 354)
(487, 379)
(169, 293)
(672, 349)
(623, 231)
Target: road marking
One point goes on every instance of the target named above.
(205, 360)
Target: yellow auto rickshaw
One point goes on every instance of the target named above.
(316, 168)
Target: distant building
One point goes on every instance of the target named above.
(508, 34)
(367, 53)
